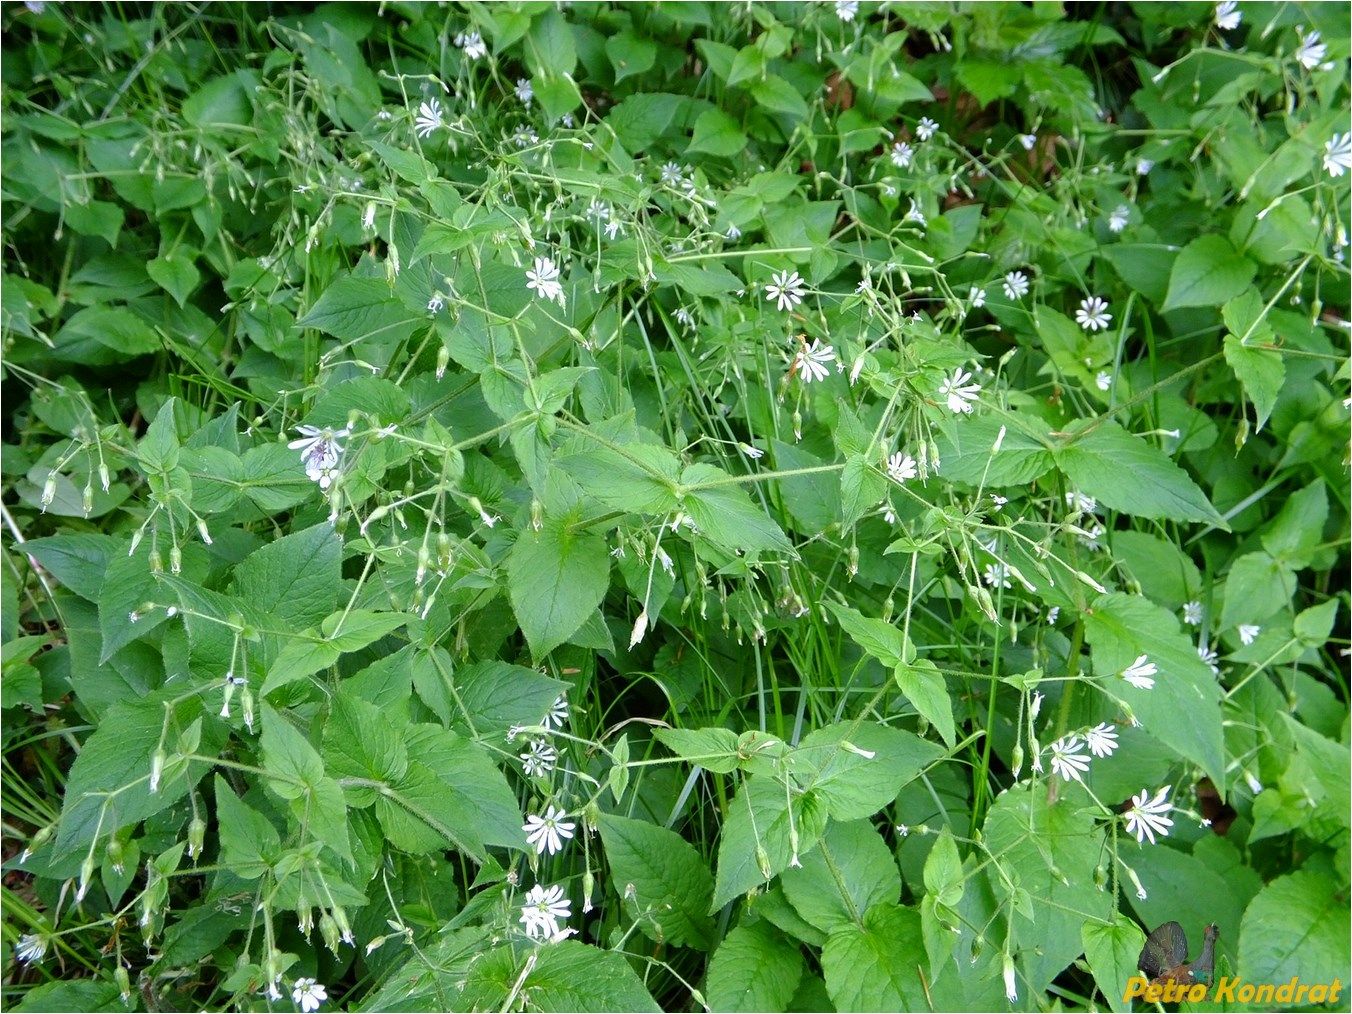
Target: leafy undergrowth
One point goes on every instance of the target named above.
(834, 506)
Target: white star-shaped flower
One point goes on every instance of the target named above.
(1093, 314)
(1101, 740)
(1338, 154)
(543, 908)
(811, 361)
(309, 995)
(1068, 759)
(1310, 53)
(1149, 816)
(1141, 673)
(544, 279)
(785, 289)
(958, 392)
(473, 45)
(428, 118)
(1015, 285)
(548, 833)
(901, 467)
(540, 759)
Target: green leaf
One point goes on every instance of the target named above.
(712, 749)
(419, 815)
(1164, 572)
(296, 578)
(1037, 844)
(78, 561)
(851, 783)
(108, 786)
(1296, 926)
(113, 326)
(498, 695)
(725, 515)
(1125, 473)
(128, 585)
(755, 843)
(479, 789)
(249, 842)
(549, 46)
(850, 871)
(861, 488)
(670, 882)
(1143, 266)
(361, 309)
(966, 450)
(289, 755)
(754, 969)
(1183, 709)
(360, 742)
(778, 96)
(556, 576)
(641, 479)
(1111, 952)
(639, 120)
(175, 274)
(944, 879)
(354, 629)
(879, 638)
(630, 54)
(77, 996)
(1297, 531)
(1182, 888)
(409, 166)
(1208, 272)
(567, 976)
(876, 965)
(927, 690)
(1260, 371)
(717, 133)
(159, 448)
(557, 96)
(301, 656)
(1258, 586)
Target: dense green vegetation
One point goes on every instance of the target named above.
(805, 506)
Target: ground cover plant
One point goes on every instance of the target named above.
(807, 506)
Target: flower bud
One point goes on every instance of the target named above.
(202, 531)
(763, 862)
(157, 762)
(123, 981)
(86, 874)
(328, 929)
(115, 854)
(175, 559)
(537, 515)
(246, 700)
(104, 479)
(37, 841)
(640, 629)
(443, 360)
(197, 836)
(87, 499)
(48, 491)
